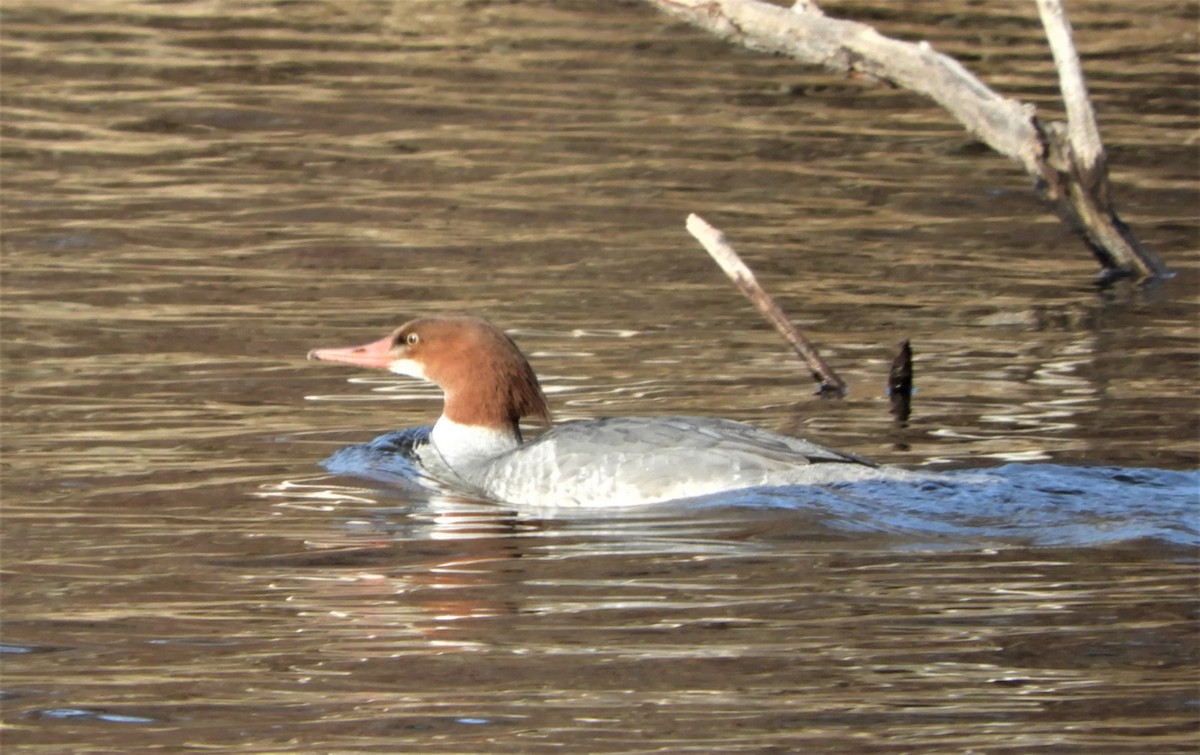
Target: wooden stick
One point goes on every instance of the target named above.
(900, 382)
(714, 242)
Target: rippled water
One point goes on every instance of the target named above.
(196, 193)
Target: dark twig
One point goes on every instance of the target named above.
(900, 382)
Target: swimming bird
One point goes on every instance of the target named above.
(488, 385)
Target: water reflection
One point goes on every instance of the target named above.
(1017, 504)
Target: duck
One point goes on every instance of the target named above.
(476, 446)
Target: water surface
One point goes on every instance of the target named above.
(195, 194)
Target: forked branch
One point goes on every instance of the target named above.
(1066, 161)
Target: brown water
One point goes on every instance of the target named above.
(196, 193)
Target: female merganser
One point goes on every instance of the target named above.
(476, 444)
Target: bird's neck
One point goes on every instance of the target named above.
(463, 446)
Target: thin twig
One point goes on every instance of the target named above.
(714, 242)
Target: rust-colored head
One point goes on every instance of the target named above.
(486, 379)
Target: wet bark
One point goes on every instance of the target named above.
(1066, 161)
(900, 382)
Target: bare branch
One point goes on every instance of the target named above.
(1073, 179)
(1082, 131)
(741, 275)
(805, 33)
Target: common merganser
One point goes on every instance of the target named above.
(476, 444)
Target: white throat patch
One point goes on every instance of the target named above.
(465, 446)
(408, 367)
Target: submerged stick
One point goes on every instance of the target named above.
(900, 382)
(714, 242)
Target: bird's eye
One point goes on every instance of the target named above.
(412, 339)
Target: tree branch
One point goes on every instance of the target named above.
(714, 242)
(1082, 131)
(1074, 180)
